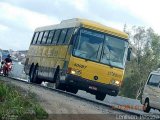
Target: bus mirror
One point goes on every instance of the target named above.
(129, 54)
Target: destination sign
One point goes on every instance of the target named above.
(92, 33)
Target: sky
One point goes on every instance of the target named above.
(19, 18)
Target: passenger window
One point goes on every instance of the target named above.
(35, 38)
(45, 36)
(56, 36)
(154, 80)
(50, 37)
(40, 37)
(62, 36)
(68, 36)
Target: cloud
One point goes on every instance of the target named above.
(17, 25)
(59, 8)
(19, 18)
(65, 9)
(15, 39)
(24, 17)
(146, 10)
(81, 5)
(3, 28)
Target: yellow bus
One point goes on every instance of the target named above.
(78, 54)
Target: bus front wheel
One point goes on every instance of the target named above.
(146, 107)
(34, 75)
(31, 74)
(31, 69)
(100, 96)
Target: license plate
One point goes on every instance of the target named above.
(92, 87)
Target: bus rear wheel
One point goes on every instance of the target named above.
(100, 96)
(58, 84)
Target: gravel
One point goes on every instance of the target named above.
(56, 103)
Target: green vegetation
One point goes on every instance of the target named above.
(146, 47)
(16, 103)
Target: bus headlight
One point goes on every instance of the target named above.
(73, 72)
(115, 82)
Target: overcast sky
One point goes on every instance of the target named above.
(19, 18)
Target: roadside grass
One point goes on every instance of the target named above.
(16, 103)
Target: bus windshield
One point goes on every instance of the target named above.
(100, 47)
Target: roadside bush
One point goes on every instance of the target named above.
(16, 103)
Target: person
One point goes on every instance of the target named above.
(7, 67)
(8, 59)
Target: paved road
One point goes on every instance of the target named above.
(119, 101)
(18, 71)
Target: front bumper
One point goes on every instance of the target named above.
(91, 86)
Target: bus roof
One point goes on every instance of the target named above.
(77, 22)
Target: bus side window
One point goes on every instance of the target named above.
(45, 36)
(50, 36)
(68, 36)
(40, 37)
(35, 38)
(62, 36)
(56, 36)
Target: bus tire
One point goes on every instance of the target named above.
(31, 73)
(100, 96)
(71, 89)
(58, 84)
(146, 107)
(31, 69)
(35, 78)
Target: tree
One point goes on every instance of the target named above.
(146, 48)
